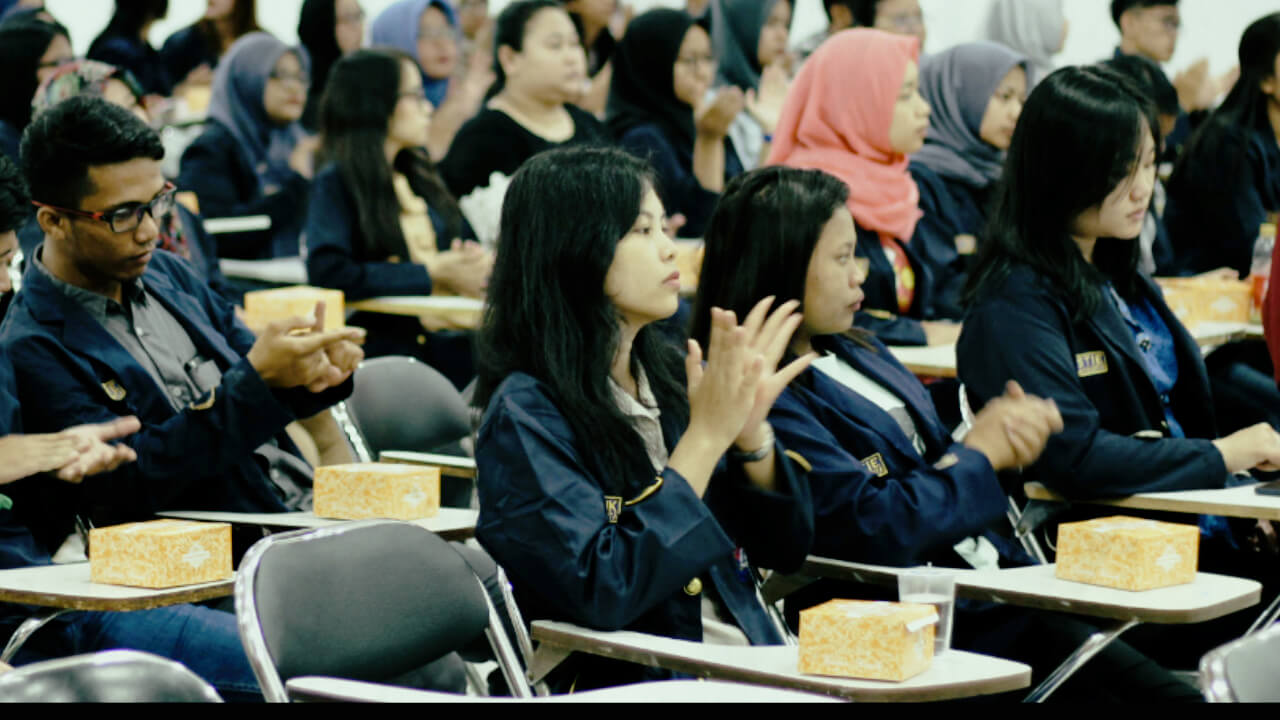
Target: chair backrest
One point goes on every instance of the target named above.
(363, 601)
(1246, 670)
(400, 403)
(112, 676)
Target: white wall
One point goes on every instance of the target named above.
(1211, 28)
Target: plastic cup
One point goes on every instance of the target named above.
(931, 586)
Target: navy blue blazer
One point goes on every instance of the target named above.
(70, 371)
(880, 313)
(1115, 441)
(17, 547)
(217, 171)
(545, 519)
(681, 191)
(951, 208)
(875, 498)
(1215, 206)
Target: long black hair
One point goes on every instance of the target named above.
(1077, 140)
(548, 315)
(1245, 108)
(760, 239)
(317, 33)
(509, 30)
(356, 109)
(130, 17)
(22, 44)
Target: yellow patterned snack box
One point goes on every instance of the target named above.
(263, 307)
(377, 490)
(1128, 553)
(160, 553)
(1201, 300)
(867, 640)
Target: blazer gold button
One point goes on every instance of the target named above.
(694, 587)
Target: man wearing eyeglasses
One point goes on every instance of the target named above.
(108, 325)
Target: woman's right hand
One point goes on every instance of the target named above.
(1012, 430)
(714, 116)
(1253, 447)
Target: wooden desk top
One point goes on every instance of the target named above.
(450, 523)
(280, 271)
(1240, 501)
(68, 586)
(1210, 596)
(954, 674)
(451, 465)
(418, 306)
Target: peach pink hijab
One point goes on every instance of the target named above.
(837, 117)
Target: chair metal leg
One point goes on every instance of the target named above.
(523, 641)
(352, 432)
(27, 629)
(1026, 536)
(1267, 618)
(545, 660)
(779, 586)
(775, 615)
(1077, 659)
(504, 653)
(479, 684)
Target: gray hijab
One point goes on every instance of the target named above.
(1031, 27)
(735, 39)
(958, 85)
(236, 104)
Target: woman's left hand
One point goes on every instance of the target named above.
(769, 336)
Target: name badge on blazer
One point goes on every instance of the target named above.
(1091, 363)
(875, 465)
(612, 508)
(114, 390)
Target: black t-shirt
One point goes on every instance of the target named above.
(494, 142)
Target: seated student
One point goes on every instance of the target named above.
(191, 54)
(596, 21)
(664, 68)
(975, 91)
(1227, 179)
(601, 511)
(14, 214)
(540, 67)
(182, 231)
(390, 227)
(1035, 29)
(328, 30)
(254, 158)
(749, 38)
(889, 484)
(29, 53)
(900, 17)
(428, 31)
(107, 324)
(839, 17)
(124, 44)
(864, 140)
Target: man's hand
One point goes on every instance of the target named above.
(296, 353)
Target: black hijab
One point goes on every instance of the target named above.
(22, 44)
(643, 88)
(316, 33)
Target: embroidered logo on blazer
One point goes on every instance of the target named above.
(1091, 363)
(947, 462)
(612, 508)
(114, 390)
(875, 465)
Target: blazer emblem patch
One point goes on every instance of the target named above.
(114, 390)
(875, 465)
(612, 508)
(1091, 363)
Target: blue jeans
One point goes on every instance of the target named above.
(206, 641)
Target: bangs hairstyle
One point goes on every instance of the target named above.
(63, 142)
(355, 112)
(547, 313)
(760, 240)
(1078, 139)
(509, 30)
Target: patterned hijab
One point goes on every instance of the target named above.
(826, 127)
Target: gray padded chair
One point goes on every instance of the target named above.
(400, 403)
(115, 676)
(1246, 670)
(369, 601)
